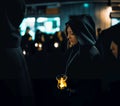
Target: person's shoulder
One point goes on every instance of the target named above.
(105, 31)
(111, 29)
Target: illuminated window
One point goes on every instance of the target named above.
(30, 21)
(44, 24)
(48, 25)
(115, 21)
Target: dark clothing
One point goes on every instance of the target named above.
(83, 62)
(15, 82)
(84, 28)
(110, 63)
(84, 77)
(14, 79)
(11, 15)
(105, 39)
(82, 65)
(27, 44)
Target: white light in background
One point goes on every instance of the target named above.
(48, 26)
(41, 19)
(56, 44)
(115, 21)
(24, 52)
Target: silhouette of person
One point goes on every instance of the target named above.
(15, 82)
(109, 46)
(41, 40)
(27, 43)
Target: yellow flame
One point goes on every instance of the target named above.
(62, 83)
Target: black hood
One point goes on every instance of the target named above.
(11, 16)
(84, 28)
(114, 31)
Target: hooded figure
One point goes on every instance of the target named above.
(84, 52)
(15, 82)
(109, 45)
(84, 28)
(82, 61)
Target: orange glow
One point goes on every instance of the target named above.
(62, 82)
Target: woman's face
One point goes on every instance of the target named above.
(71, 37)
(114, 48)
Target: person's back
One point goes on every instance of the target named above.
(15, 82)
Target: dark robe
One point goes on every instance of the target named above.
(82, 65)
(15, 81)
(110, 63)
